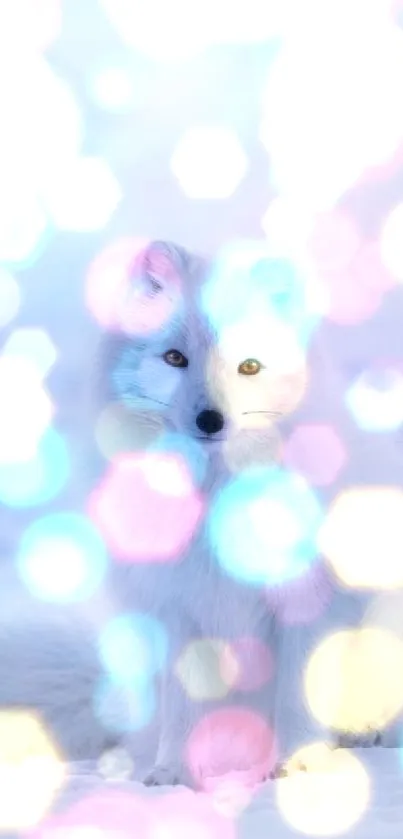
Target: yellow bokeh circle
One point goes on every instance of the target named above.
(362, 537)
(354, 680)
(31, 770)
(327, 799)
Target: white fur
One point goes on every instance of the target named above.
(48, 656)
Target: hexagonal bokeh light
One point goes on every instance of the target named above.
(211, 668)
(391, 241)
(62, 558)
(36, 345)
(375, 398)
(316, 452)
(112, 812)
(32, 770)
(361, 525)
(26, 410)
(133, 648)
(209, 162)
(330, 797)
(83, 195)
(230, 739)
(354, 680)
(10, 297)
(263, 527)
(37, 479)
(146, 507)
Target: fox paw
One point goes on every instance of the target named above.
(350, 740)
(165, 776)
(287, 768)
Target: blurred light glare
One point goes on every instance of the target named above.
(207, 669)
(249, 283)
(42, 129)
(23, 223)
(287, 225)
(263, 527)
(312, 96)
(34, 344)
(163, 32)
(119, 430)
(142, 517)
(133, 648)
(228, 739)
(38, 479)
(107, 814)
(124, 708)
(391, 242)
(32, 770)
(183, 30)
(330, 797)
(62, 558)
(181, 815)
(109, 278)
(113, 89)
(354, 680)
(209, 162)
(41, 24)
(362, 525)
(10, 297)
(355, 291)
(316, 452)
(333, 240)
(26, 409)
(82, 195)
(377, 408)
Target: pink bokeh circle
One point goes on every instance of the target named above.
(146, 507)
(230, 742)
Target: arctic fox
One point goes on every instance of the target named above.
(218, 377)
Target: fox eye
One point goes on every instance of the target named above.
(249, 367)
(175, 358)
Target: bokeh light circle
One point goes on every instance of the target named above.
(36, 480)
(250, 283)
(62, 558)
(133, 648)
(263, 527)
(120, 430)
(124, 708)
(146, 507)
(375, 399)
(230, 740)
(207, 669)
(26, 409)
(108, 279)
(101, 815)
(10, 297)
(316, 452)
(181, 814)
(362, 525)
(354, 680)
(83, 195)
(330, 799)
(121, 283)
(34, 344)
(391, 237)
(32, 771)
(209, 162)
(112, 88)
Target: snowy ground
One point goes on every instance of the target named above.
(308, 805)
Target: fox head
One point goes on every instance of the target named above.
(198, 346)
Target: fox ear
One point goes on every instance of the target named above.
(160, 267)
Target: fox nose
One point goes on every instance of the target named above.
(210, 422)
